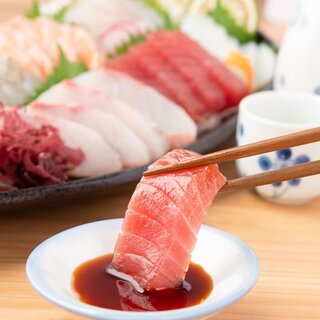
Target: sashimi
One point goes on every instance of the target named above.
(99, 159)
(190, 69)
(121, 34)
(99, 15)
(30, 49)
(159, 230)
(167, 117)
(183, 71)
(32, 156)
(164, 78)
(234, 88)
(69, 92)
(132, 151)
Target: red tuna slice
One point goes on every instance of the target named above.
(170, 82)
(153, 203)
(130, 65)
(142, 270)
(234, 88)
(146, 259)
(191, 70)
(138, 223)
(162, 263)
(191, 206)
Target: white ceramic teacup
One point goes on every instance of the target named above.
(269, 114)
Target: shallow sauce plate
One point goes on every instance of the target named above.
(231, 263)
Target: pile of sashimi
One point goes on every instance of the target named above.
(93, 87)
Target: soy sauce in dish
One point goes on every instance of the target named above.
(96, 287)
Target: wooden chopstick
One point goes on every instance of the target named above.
(283, 174)
(252, 149)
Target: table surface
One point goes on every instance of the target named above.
(286, 239)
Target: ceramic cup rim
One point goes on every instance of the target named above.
(201, 310)
(246, 107)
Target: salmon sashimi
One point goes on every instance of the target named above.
(69, 92)
(168, 118)
(161, 224)
(131, 150)
(32, 49)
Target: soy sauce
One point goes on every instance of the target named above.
(96, 287)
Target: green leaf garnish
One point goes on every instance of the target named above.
(35, 12)
(125, 46)
(59, 16)
(222, 16)
(162, 12)
(64, 70)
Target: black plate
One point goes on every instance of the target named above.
(108, 184)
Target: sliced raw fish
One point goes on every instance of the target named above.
(121, 33)
(140, 250)
(99, 15)
(165, 79)
(100, 158)
(166, 44)
(134, 220)
(132, 151)
(234, 88)
(69, 92)
(32, 156)
(170, 119)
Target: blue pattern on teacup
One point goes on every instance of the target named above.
(241, 130)
(283, 159)
(317, 90)
(282, 80)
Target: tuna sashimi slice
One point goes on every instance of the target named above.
(162, 262)
(152, 69)
(164, 239)
(132, 151)
(153, 203)
(69, 92)
(167, 117)
(140, 250)
(234, 88)
(190, 69)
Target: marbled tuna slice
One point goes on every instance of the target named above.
(140, 250)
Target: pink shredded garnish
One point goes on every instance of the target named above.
(31, 156)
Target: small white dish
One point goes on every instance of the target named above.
(231, 263)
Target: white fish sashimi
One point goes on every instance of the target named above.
(209, 35)
(100, 158)
(175, 124)
(132, 151)
(69, 92)
(266, 61)
(98, 15)
(121, 33)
